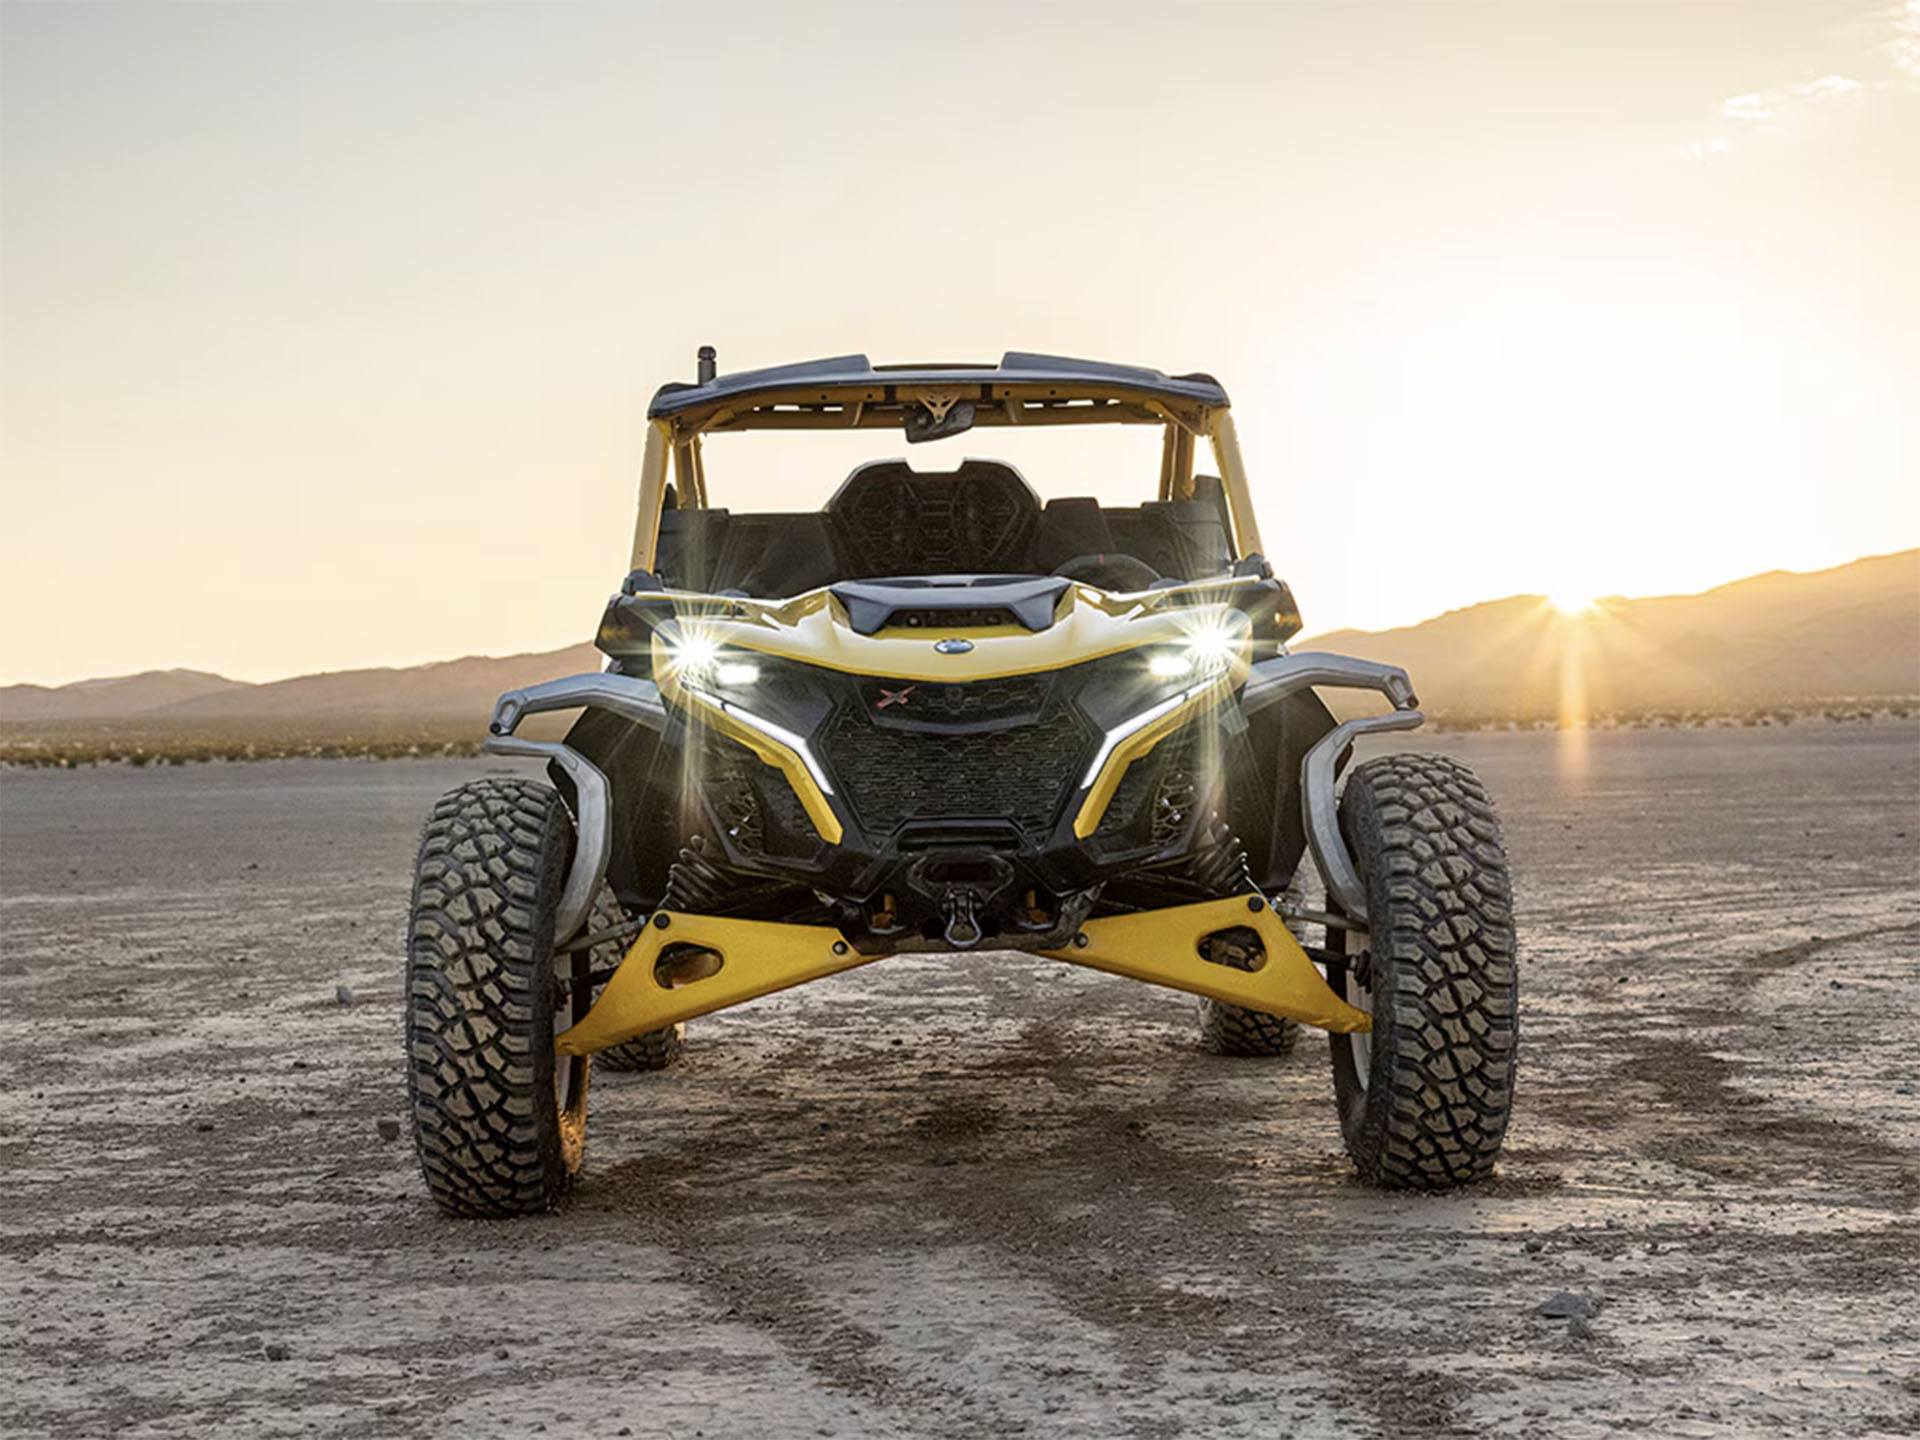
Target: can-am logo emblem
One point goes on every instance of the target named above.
(954, 646)
(893, 697)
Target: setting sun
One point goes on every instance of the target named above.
(1572, 602)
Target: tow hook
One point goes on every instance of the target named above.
(963, 929)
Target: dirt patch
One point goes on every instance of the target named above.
(981, 1194)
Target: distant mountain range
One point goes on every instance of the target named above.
(113, 698)
(1849, 633)
(448, 689)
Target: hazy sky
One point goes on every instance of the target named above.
(328, 329)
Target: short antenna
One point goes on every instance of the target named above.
(708, 367)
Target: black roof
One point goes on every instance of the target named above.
(1015, 367)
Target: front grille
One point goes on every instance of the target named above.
(900, 768)
(925, 704)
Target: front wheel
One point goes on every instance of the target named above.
(1424, 1098)
(499, 1118)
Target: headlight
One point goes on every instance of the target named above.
(700, 660)
(704, 668)
(1205, 652)
(1213, 649)
(1195, 663)
(693, 654)
(1169, 664)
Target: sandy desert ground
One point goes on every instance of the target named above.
(979, 1195)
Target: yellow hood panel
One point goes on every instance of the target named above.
(1087, 625)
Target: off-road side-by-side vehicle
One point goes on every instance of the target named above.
(940, 715)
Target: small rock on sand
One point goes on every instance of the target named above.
(342, 996)
(389, 1129)
(1562, 1306)
(278, 1351)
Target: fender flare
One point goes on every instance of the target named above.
(634, 699)
(1272, 681)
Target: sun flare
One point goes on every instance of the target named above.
(1573, 602)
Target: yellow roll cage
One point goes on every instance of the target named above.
(673, 441)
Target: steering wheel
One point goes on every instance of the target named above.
(1109, 572)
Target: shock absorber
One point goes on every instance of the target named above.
(1218, 865)
(1218, 861)
(694, 883)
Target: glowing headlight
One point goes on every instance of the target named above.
(1213, 649)
(1169, 664)
(699, 658)
(1203, 652)
(694, 654)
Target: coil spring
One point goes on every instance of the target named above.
(1218, 862)
(1218, 865)
(694, 883)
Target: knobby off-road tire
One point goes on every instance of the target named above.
(1424, 1099)
(1228, 1029)
(499, 1120)
(655, 1050)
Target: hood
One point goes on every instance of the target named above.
(961, 628)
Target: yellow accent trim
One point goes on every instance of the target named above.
(653, 491)
(1233, 481)
(758, 957)
(1162, 947)
(768, 750)
(1088, 625)
(1140, 744)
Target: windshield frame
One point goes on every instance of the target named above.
(673, 440)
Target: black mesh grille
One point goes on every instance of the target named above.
(909, 704)
(1176, 794)
(730, 791)
(1022, 772)
(752, 802)
(1160, 785)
